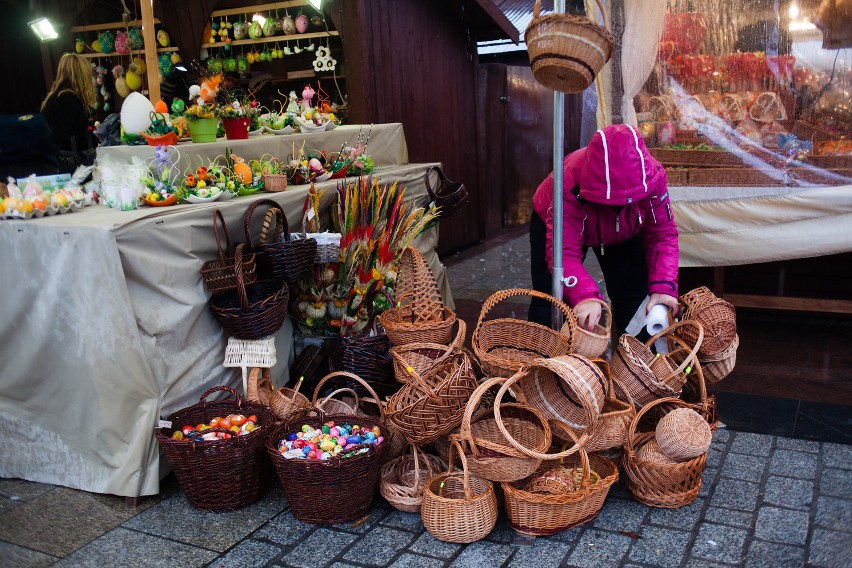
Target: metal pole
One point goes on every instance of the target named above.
(558, 144)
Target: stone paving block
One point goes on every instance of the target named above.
(543, 554)
(721, 435)
(762, 554)
(797, 445)
(329, 542)
(834, 513)
(247, 554)
(283, 529)
(121, 548)
(729, 517)
(781, 525)
(719, 543)
(172, 515)
(7, 504)
(793, 464)
(789, 492)
(708, 477)
(428, 544)
(837, 455)
(836, 482)
(741, 466)
(343, 565)
(698, 563)
(681, 517)
(23, 489)
(416, 561)
(751, 444)
(715, 455)
(502, 533)
(379, 546)
(571, 535)
(660, 547)
(620, 515)
(735, 494)
(599, 549)
(830, 549)
(362, 526)
(400, 520)
(14, 555)
(483, 553)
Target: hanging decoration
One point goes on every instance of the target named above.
(324, 61)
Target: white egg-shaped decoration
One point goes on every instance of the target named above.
(136, 113)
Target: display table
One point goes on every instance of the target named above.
(386, 145)
(105, 328)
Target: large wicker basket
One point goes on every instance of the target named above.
(504, 345)
(667, 485)
(459, 507)
(567, 51)
(488, 453)
(717, 317)
(219, 475)
(542, 513)
(219, 274)
(279, 255)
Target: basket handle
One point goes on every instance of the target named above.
(251, 386)
(581, 451)
(606, 314)
(499, 296)
(331, 395)
(613, 383)
(219, 218)
(208, 392)
(670, 331)
(580, 442)
(281, 224)
(355, 378)
(699, 372)
(629, 446)
(465, 431)
(415, 453)
(238, 274)
(456, 446)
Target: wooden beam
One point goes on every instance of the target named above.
(272, 39)
(109, 26)
(150, 38)
(258, 8)
(823, 305)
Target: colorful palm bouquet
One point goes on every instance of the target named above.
(376, 225)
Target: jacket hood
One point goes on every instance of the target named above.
(618, 169)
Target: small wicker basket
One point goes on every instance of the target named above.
(593, 343)
(683, 434)
(403, 479)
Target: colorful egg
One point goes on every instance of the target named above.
(301, 24)
(96, 46)
(134, 80)
(165, 65)
(121, 43)
(163, 38)
(288, 25)
(107, 42)
(135, 39)
(121, 88)
(79, 46)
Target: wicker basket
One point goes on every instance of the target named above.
(667, 485)
(259, 387)
(615, 418)
(488, 453)
(717, 367)
(433, 405)
(717, 317)
(542, 512)
(278, 254)
(286, 402)
(683, 434)
(593, 343)
(419, 358)
(219, 475)
(369, 357)
(567, 51)
(330, 491)
(403, 478)
(252, 312)
(569, 389)
(331, 405)
(274, 183)
(458, 507)
(219, 274)
(504, 345)
(651, 452)
(647, 375)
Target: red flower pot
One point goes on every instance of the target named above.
(236, 128)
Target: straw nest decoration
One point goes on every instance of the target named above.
(683, 434)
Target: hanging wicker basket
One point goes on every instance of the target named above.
(567, 51)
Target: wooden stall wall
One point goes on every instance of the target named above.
(415, 62)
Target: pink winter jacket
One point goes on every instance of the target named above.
(623, 192)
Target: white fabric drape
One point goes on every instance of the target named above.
(643, 25)
(603, 82)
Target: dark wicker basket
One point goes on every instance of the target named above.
(219, 475)
(278, 255)
(334, 491)
(251, 312)
(218, 274)
(368, 357)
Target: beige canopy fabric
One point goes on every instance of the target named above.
(105, 328)
(725, 226)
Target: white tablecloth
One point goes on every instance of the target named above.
(105, 328)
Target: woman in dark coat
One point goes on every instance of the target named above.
(67, 107)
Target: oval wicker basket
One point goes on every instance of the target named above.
(717, 317)
(286, 401)
(593, 343)
(717, 367)
(567, 51)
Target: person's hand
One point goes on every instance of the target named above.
(588, 314)
(666, 300)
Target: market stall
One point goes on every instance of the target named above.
(108, 322)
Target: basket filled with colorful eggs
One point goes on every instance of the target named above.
(329, 465)
(216, 449)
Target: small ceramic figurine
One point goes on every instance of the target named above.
(293, 106)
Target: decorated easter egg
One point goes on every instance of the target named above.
(161, 107)
(269, 27)
(135, 39)
(165, 64)
(178, 106)
(241, 30)
(96, 46)
(121, 45)
(121, 87)
(163, 38)
(301, 24)
(117, 71)
(134, 80)
(354, 439)
(136, 113)
(107, 42)
(255, 31)
(79, 46)
(175, 58)
(230, 64)
(138, 66)
(288, 25)
(242, 65)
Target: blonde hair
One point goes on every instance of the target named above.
(74, 74)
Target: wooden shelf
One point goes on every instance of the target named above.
(271, 39)
(109, 26)
(258, 8)
(138, 52)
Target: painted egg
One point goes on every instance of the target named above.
(353, 440)
(288, 25)
(165, 65)
(134, 80)
(136, 113)
(138, 66)
(241, 30)
(315, 165)
(121, 43)
(334, 431)
(79, 46)
(163, 38)
(121, 88)
(135, 38)
(175, 57)
(301, 24)
(341, 441)
(178, 106)
(107, 42)
(96, 46)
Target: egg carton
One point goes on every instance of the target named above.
(38, 213)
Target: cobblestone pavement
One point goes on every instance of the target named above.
(765, 501)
